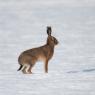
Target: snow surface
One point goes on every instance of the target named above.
(23, 26)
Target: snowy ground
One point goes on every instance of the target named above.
(23, 26)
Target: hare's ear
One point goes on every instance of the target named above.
(49, 30)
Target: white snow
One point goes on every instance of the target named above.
(23, 26)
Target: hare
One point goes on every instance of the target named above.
(28, 58)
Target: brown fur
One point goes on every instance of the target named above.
(28, 58)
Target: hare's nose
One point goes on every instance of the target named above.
(57, 42)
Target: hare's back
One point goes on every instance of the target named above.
(35, 52)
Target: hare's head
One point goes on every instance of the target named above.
(51, 40)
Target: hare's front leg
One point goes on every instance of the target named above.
(46, 66)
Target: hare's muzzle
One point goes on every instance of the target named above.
(56, 42)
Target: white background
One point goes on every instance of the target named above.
(23, 26)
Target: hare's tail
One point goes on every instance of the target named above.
(20, 67)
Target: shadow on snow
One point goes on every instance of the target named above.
(85, 70)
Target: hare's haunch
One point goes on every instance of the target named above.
(28, 58)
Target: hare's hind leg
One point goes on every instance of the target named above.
(29, 70)
(31, 66)
(25, 68)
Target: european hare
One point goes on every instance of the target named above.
(28, 58)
